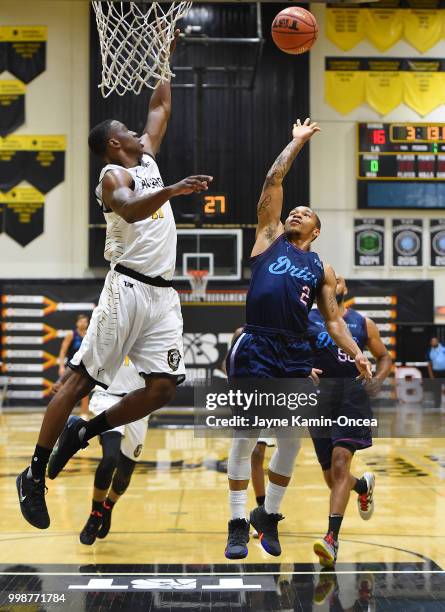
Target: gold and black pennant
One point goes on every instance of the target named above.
(40, 160)
(12, 106)
(46, 162)
(23, 214)
(26, 50)
(384, 83)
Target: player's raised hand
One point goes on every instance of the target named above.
(363, 366)
(174, 41)
(193, 184)
(305, 131)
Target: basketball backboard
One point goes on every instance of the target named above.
(219, 252)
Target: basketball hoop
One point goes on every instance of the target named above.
(198, 280)
(135, 43)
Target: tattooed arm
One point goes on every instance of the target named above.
(336, 326)
(271, 200)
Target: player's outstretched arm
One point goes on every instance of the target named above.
(159, 111)
(335, 325)
(380, 354)
(271, 200)
(118, 195)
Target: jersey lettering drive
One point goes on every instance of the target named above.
(283, 287)
(328, 357)
(147, 246)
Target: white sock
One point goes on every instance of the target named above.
(238, 503)
(274, 495)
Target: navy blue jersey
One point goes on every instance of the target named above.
(334, 362)
(74, 345)
(283, 287)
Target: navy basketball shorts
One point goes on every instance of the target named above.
(267, 353)
(348, 399)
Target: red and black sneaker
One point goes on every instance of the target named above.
(106, 521)
(326, 550)
(89, 532)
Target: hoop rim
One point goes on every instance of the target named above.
(197, 273)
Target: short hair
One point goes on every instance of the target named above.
(82, 316)
(97, 140)
(317, 221)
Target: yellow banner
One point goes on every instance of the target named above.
(423, 91)
(384, 27)
(25, 195)
(12, 88)
(384, 91)
(423, 28)
(344, 91)
(345, 27)
(23, 34)
(33, 143)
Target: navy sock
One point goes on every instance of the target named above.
(39, 462)
(260, 500)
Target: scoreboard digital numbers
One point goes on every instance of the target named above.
(401, 165)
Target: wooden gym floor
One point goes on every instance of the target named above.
(175, 510)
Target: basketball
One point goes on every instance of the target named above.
(294, 30)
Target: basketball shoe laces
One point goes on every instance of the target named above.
(37, 492)
(364, 501)
(272, 523)
(329, 538)
(238, 532)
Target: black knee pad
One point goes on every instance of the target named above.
(111, 442)
(123, 474)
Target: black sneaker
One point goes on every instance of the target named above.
(67, 445)
(32, 500)
(106, 522)
(92, 526)
(237, 539)
(266, 525)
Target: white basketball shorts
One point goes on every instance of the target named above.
(133, 433)
(134, 319)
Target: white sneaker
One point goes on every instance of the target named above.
(365, 502)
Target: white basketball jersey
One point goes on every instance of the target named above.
(126, 380)
(148, 246)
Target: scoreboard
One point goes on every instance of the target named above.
(401, 165)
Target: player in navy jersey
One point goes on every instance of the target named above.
(286, 279)
(341, 394)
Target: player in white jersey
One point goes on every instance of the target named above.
(121, 449)
(138, 312)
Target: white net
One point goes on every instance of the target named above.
(135, 39)
(198, 281)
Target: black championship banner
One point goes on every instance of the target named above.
(437, 242)
(25, 50)
(23, 214)
(12, 106)
(39, 160)
(407, 243)
(369, 242)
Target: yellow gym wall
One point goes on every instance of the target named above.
(56, 103)
(333, 184)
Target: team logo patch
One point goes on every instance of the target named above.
(138, 450)
(173, 358)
